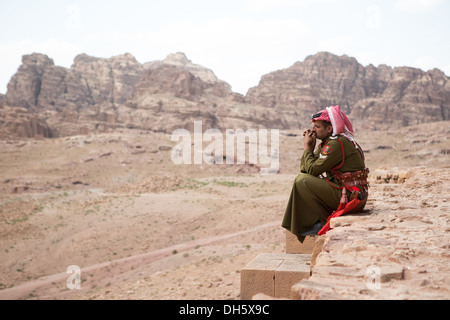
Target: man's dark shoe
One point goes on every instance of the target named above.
(313, 230)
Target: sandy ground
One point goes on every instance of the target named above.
(140, 227)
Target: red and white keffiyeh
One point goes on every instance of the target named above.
(341, 124)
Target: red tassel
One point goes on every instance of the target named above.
(344, 198)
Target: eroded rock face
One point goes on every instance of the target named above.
(180, 61)
(20, 123)
(98, 94)
(25, 86)
(380, 95)
(169, 79)
(108, 80)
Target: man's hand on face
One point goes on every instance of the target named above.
(310, 139)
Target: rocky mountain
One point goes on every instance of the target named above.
(98, 94)
(180, 60)
(380, 96)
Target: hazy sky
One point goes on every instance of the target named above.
(239, 40)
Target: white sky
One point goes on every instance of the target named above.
(240, 40)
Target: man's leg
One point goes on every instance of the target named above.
(312, 200)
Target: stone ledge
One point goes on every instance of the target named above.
(397, 248)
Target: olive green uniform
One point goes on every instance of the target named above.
(312, 198)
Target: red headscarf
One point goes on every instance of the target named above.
(341, 124)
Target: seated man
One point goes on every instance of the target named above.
(330, 175)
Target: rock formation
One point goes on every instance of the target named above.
(378, 95)
(98, 94)
(108, 80)
(180, 61)
(20, 123)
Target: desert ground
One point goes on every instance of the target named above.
(140, 227)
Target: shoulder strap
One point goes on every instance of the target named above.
(343, 156)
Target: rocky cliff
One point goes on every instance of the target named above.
(90, 81)
(20, 123)
(98, 94)
(380, 96)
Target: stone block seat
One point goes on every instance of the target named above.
(273, 274)
(295, 246)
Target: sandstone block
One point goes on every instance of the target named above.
(295, 246)
(273, 274)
